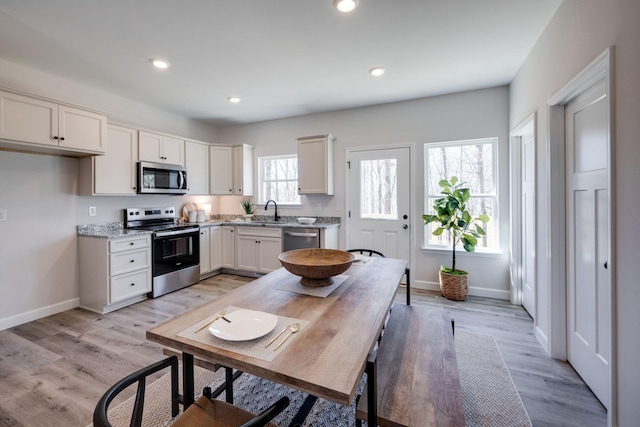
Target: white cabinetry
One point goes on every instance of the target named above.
(197, 163)
(228, 247)
(114, 273)
(257, 249)
(205, 251)
(216, 248)
(160, 148)
(231, 170)
(315, 165)
(115, 172)
(42, 123)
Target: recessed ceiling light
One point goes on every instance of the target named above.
(377, 71)
(160, 63)
(234, 99)
(345, 5)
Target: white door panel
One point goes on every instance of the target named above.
(588, 278)
(528, 224)
(379, 201)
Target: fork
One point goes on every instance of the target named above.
(292, 330)
(218, 316)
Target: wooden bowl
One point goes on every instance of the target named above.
(316, 267)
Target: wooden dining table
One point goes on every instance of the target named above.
(327, 358)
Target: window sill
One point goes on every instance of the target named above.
(434, 250)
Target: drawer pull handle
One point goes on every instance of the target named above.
(133, 284)
(133, 260)
(131, 244)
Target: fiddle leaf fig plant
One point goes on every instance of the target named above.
(454, 218)
(247, 206)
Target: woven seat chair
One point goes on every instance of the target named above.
(204, 412)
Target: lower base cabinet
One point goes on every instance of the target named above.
(257, 249)
(210, 249)
(114, 273)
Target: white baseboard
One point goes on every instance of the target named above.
(475, 291)
(542, 339)
(39, 313)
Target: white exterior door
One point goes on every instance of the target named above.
(588, 277)
(528, 223)
(379, 209)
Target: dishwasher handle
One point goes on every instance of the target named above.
(294, 234)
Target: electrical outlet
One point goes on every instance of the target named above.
(92, 211)
(3, 215)
(339, 207)
(318, 207)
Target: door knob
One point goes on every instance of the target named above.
(405, 226)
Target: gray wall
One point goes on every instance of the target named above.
(578, 33)
(468, 115)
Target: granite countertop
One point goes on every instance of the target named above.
(116, 230)
(279, 224)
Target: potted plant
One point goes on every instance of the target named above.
(248, 207)
(454, 218)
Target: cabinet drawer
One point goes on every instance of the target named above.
(119, 245)
(124, 262)
(259, 231)
(129, 285)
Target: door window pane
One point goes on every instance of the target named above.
(378, 189)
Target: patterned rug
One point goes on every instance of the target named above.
(490, 397)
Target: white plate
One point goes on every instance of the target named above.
(245, 325)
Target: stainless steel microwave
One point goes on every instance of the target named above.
(160, 178)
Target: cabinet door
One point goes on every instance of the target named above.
(205, 256)
(315, 165)
(150, 147)
(220, 170)
(247, 253)
(268, 251)
(228, 247)
(215, 241)
(243, 170)
(172, 150)
(197, 162)
(80, 129)
(28, 119)
(115, 172)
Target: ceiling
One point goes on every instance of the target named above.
(284, 58)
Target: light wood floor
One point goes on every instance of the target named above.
(54, 370)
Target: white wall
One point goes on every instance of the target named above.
(38, 244)
(475, 114)
(579, 32)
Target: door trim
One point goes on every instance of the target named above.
(599, 69)
(412, 207)
(515, 166)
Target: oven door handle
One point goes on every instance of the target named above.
(176, 232)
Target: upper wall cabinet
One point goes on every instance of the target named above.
(197, 163)
(115, 172)
(231, 170)
(51, 127)
(158, 148)
(315, 165)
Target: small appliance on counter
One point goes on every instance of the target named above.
(175, 250)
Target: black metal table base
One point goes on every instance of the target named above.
(303, 412)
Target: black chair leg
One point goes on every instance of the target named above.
(408, 273)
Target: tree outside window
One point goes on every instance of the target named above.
(278, 179)
(474, 163)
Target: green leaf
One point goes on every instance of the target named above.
(438, 231)
(480, 230)
(468, 238)
(443, 183)
(484, 217)
(454, 179)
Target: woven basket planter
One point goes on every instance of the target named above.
(454, 286)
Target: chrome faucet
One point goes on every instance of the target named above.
(275, 215)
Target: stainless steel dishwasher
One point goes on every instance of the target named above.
(301, 238)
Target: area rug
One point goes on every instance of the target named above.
(489, 395)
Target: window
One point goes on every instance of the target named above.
(378, 189)
(278, 179)
(474, 163)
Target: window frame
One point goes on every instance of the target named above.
(261, 181)
(495, 195)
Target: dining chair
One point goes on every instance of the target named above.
(204, 412)
(373, 252)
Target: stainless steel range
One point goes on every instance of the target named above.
(175, 250)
